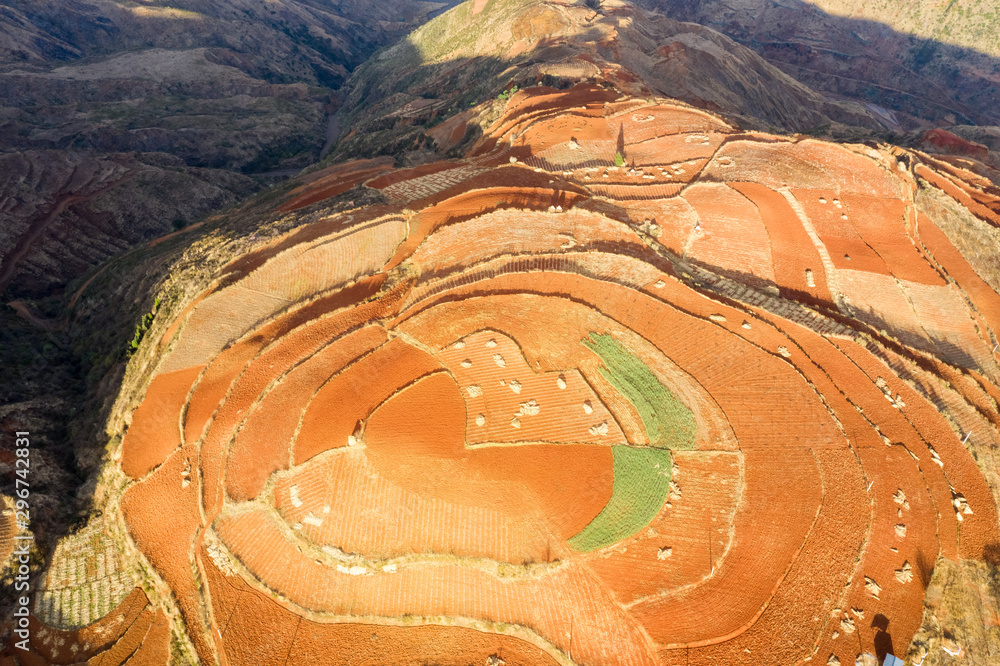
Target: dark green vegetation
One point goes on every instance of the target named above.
(141, 328)
(642, 485)
(668, 422)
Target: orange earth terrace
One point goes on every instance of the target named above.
(713, 405)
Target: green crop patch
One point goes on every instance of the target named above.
(668, 422)
(641, 487)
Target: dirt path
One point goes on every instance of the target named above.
(38, 227)
(49, 325)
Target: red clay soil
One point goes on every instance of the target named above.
(155, 431)
(146, 642)
(350, 396)
(417, 442)
(551, 605)
(732, 233)
(473, 204)
(769, 535)
(346, 501)
(954, 144)
(504, 179)
(986, 301)
(959, 194)
(155, 647)
(263, 442)
(341, 180)
(516, 232)
(537, 102)
(167, 547)
(880, 223)
(806, 164)
(642, 152)
(305, 234)
(182, 317)
(816, 575)
(303, 641)
(400, 175)
(696, 531)
(833, 225)
(792, 250)
(58, 646)
(543, 409)
(228, 365)
(291, 349)
(959, 470)
(450, 133)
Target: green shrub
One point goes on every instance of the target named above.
(619, 160)
(141, 328)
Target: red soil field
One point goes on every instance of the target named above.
(959, 470)
(473, 204)
(944, 314)
(449, 435)
(532, 317)
(334, 261)
(155, 431)
(538, 101)
(349, 643)
(515, 232)
(291, 349)
(350, 396)
(550, 606)
(350, 501)
(957, 268)
(880, 223)
(793, 253)
(833, 225)
(400, 175)
(58, 646)
(172, 490)
(308, 234)
(879, 301)
(806, 164)
(227, 366)
(335, 180)
(769, 535)
(547, 406)
(959, 194)
(732, 233)
(262, 445)
(697, 529)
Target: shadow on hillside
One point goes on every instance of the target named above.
(866, 61)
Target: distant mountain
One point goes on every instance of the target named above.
(181, 96)
(915, 64)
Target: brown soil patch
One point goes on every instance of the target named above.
(155, 431)
(795, 258)
(349, 397)
(164, 493)
(352, 643)
(265, 438)
(57, 646)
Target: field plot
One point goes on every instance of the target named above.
(690, 537)
(508, 401)
(732, 234)
(717, 404)
(798, 266)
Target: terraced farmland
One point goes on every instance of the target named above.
(551, 412)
